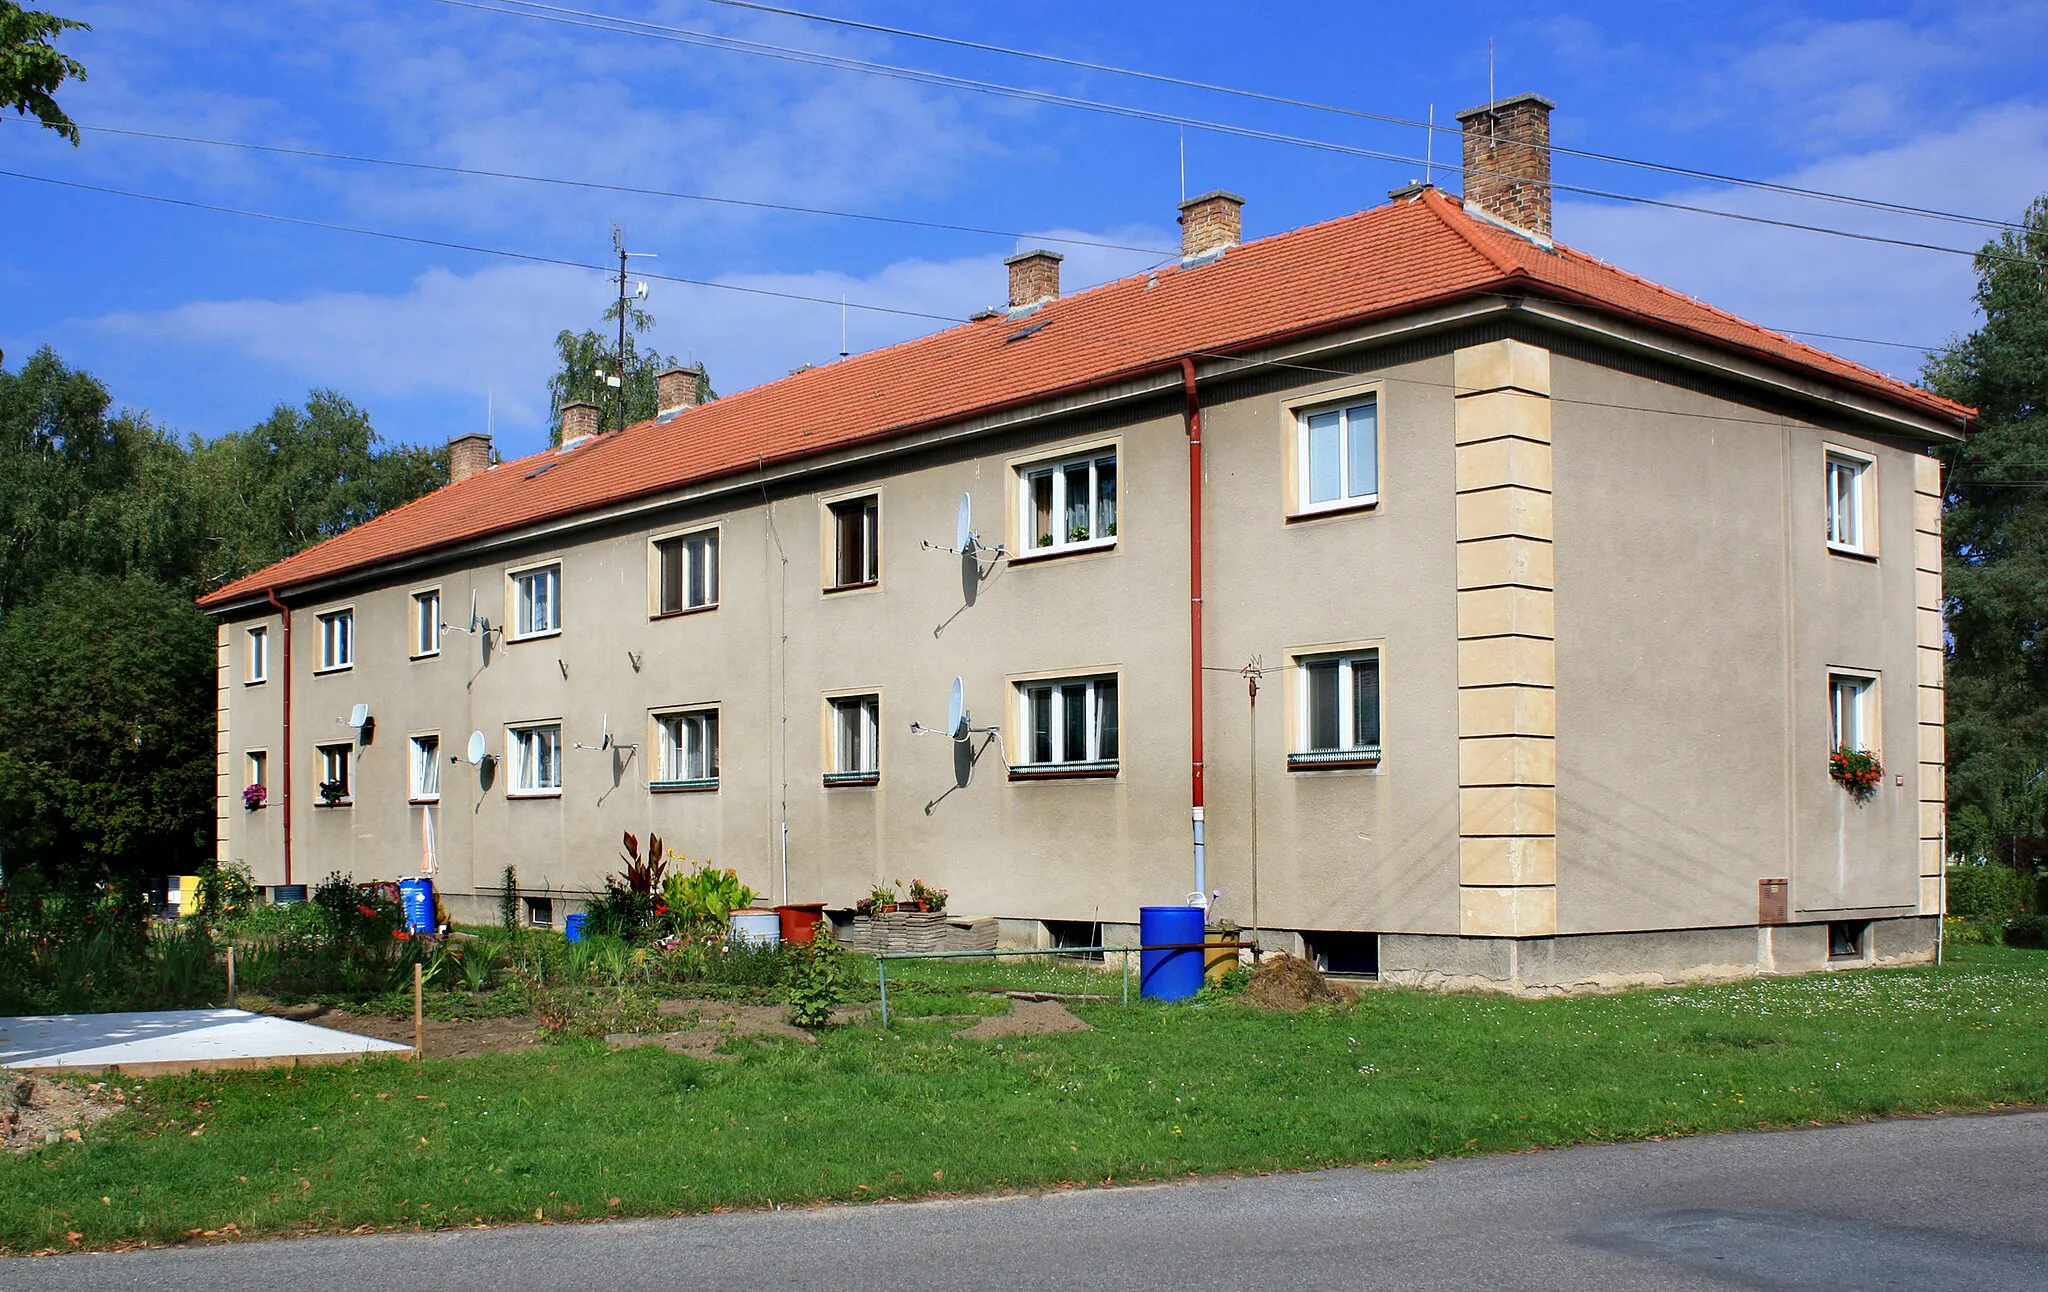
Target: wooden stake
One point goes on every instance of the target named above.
(419, 1013)
(231, 975)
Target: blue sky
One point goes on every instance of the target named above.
(206, 320)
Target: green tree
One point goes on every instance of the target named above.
(85, 492)
(300, 477)
(583, 355)
(31, 69)
(106, 729)
(1995, 523)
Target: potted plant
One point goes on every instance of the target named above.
(927, 897)
(881, 898)
(332, 792)
(255, 796)
(1857, 770)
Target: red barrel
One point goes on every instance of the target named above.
(800, 920)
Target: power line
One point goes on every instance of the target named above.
(472, 248)
(684, 36)
(1359, 113)
(595, 186)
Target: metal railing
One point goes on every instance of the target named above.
(882, 959)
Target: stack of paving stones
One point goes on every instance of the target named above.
(911, 931)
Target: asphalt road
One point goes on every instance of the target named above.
(1930, 1204)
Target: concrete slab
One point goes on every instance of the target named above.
(160, 1042)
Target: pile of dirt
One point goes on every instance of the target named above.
(35, 1111)
(1026, 1018)
(1290, 985)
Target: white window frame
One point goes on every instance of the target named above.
(1855, 532)
(423, 767)
(1349, 497)
(1100, 757)
(256, 644)
(864, 504)
(256, 768)
(336, 757)
(1853, 725)
(525, 625)
(1102, 533)
(698, 581)
(688, 741)
(1349, 750)
(532, 749)
(854, 739)
(426, 623)
(337, 640)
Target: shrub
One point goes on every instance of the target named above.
(619, 912)
(508, 900)
(810, 979)
(1989, 893)
(2027, 931)
(706, 896)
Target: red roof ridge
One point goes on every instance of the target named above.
(1458, 221)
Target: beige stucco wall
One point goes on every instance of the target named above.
(1698, 614)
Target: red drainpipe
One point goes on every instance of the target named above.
(1194, 424)
(285, 795)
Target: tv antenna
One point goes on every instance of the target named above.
(965, 541)
(617, 381)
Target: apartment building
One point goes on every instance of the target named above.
(1443, 600)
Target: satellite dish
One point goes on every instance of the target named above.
(472, 611)
(956, 712)
(359, 715)
(963, 529)
(476, 748)
(605, 741)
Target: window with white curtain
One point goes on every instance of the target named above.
(337, 640)
(1337, 456)
(537, 595)
(1068, 725)
(1853, 725)
(689, 749)
(259, 654)
(426, 622)
(687, 572)
(1338, 715)
(1069, 503)
(856, 739)
(426, 767)
(536, 757)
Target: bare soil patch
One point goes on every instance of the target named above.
(449, 1039)
(35, 1111)
(1026, 1018)
(699, 1027)
(1290, 985)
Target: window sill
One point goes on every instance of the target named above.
(533, 637)
(334, 668)
(254, 681)
(1332, 759)
(334, 803)
(835, 780)
(432, 654)
(1064, 549)
(1099, 770)
(686, 611)
(533, 794)
(1853, 553)
(1350, 507)
(254, 807)
(703, 786)
(424, 802)
(862, 586)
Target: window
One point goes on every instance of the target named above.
(536, 760)
(540, 912)
(426, 623)
(1337, 456)
(856, 545)
(337, 640)
(688, 571)
(1068, 504)
(856, 741)
(538, 594)
(1338, 722)
(1852, 724)
(258, 768)
(1846, 938)
(1846, 523)
(1070, 727)
(335, 786)
(426, 768)
(689, 750)
(259, 654)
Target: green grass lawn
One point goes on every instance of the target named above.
(577, 1132)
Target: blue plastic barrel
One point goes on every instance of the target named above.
(417, 896)
(1170, 975)
(572, 926)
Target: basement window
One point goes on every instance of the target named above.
(1847, 939)
(1344, 954)
(1076, 933)
(540, 912)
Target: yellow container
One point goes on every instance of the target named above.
(1219, 960)
(188, 896)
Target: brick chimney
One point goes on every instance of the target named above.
(1034, 277)
(468, 455)
(1210, 223)
(1507, 161)
(676, 390)
(578, 420)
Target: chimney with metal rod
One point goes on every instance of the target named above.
(1034, 277)
(1507, 161)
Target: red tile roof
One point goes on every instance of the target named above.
(1388, 260)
